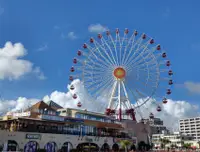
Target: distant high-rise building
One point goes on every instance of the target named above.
(157, 126)
(190, 126)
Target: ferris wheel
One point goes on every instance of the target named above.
(128, 67)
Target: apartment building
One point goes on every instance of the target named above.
(190, 126)
(175, 138)
(156, 125)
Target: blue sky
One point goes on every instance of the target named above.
(42, 27)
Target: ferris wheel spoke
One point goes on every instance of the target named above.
(132, 39)
(143, 58)
(101, 63)
(150, 63)
(134, 44)
(103, 88)
(135, 98)
(101, 84)
(109, 48)
(114, 45)
(133, 57)
(108, 59)
(94, 81)
(105, 61)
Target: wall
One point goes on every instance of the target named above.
(59, 139)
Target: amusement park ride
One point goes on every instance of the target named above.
(128, 68)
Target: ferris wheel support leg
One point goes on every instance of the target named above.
(133, 116)
(119, 100)
(112, 95)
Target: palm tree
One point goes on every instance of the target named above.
(125, 144)
(164, 141)
(198, 143)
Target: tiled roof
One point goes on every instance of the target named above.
(41, 105)
(53, 105)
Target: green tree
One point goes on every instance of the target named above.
(141, 145)
(198, 143)
(187, 145)
(164, 142)
(125, 144)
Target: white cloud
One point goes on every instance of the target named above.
(56, 27)
(1, 10)
(170, 114)
(15, 105)
(61, 98)
(71, 35)
(97, 28)
(166, 13)
(193, 87)
(43, 48)
(12, 65)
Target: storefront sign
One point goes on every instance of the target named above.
(22, 114)
(50, 117)
(117, 140)
(74, 120)
(33, 136)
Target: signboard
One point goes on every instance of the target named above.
(22, 114)
(117, 140)
(74, 120)
(50, 117)
(33, 136)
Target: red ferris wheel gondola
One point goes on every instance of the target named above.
(72, 69)
(169, 91)
(79, 53)
(158, 47)
(74, 96)
(159, 109)
(117, 31)
(126, 31)
(135, 33)
(85, 46)
(164, 55)
(170, 82)
(99, 36)
(151, 41)
(107, 32)
(91, 40)
(151, 116)
(72, 87)
(168, 63)
(144, 36)
(71, 78)
(170, 72)
(74, 60)
(164, 100)
(79, 104)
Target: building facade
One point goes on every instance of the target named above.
(48, 126)
(190, 126)
(176, 139)
(156, 126)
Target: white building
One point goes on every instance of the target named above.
(156, 126)
(190, 126)
(176, 139)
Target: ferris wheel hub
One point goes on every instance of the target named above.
(119, 73)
